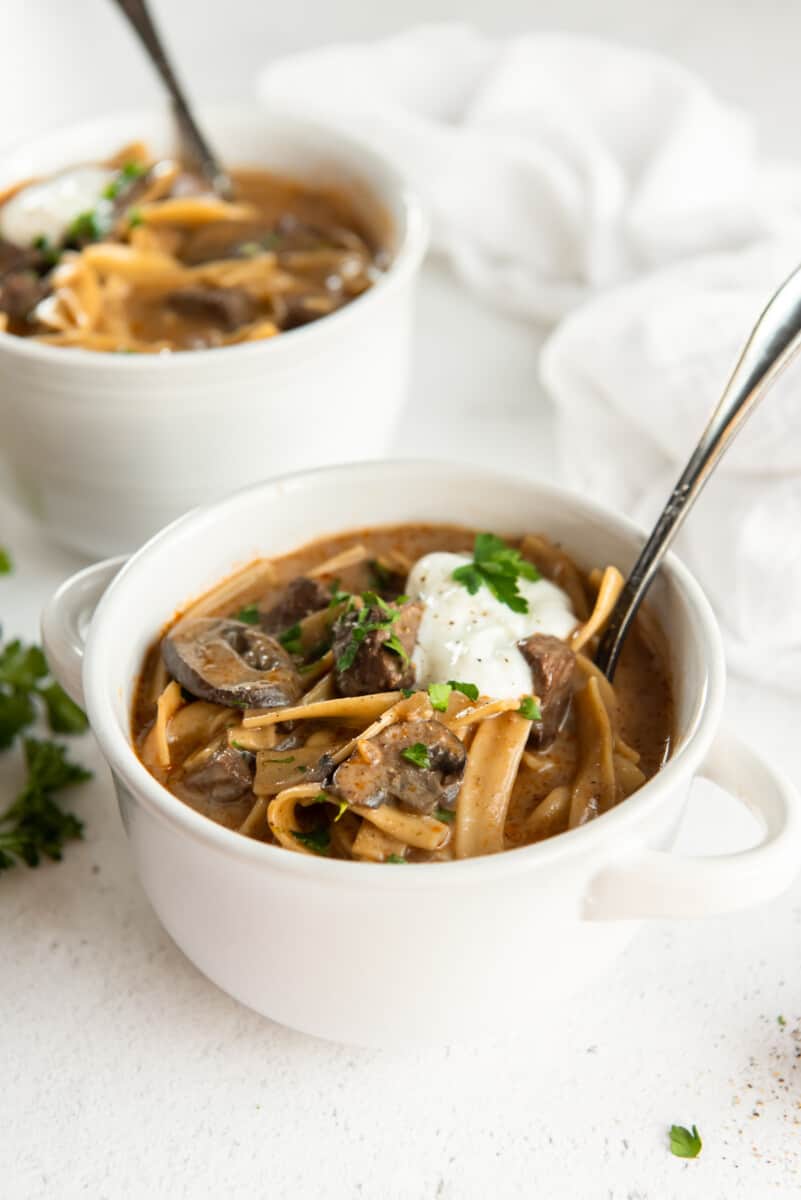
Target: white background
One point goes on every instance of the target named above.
(125, 1074)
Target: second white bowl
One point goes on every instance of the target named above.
(105, 448)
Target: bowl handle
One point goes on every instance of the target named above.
(65, 622)
(654, 883)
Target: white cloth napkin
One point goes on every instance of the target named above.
(566, 173)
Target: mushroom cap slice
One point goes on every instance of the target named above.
(380, 774)
(231, 663)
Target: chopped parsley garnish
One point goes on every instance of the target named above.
(123, 179)
(324, 798)
(86, 227)
(319, 840)
(781, 1022)
(530, 709)
(417, 755)
(407, 693)
(134, 217)
(444, 814)
(440, 693)
(498, 567)
(6, 565)
(289, 759)
(685, 1143)
(35, 826)
(363, 625)
(50, 254)
(337, 596)
(395, 858)
(290, 639)
(249, 614)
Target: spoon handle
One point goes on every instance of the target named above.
(774, 340)
(197, 148)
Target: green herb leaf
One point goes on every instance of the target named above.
(444, 814)
(134, 218)
(35, 825)
(123, 179)
(86, 227)
(6, 565)
(249, 615)
(439, 694)
(16, 711)
(290, 639)
(319, 840)
(407, 693)
(530, 709)
(289, 759)
(51, 255)
(685, 1143)
(21, 666)
(781, 1022)
(498, 567)
(467, 689)
(417, 755)
(394, 644)
(63, 714)
(395, 858)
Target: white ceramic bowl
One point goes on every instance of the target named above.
(106, 448)
(378, 955)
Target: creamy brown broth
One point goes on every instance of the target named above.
(642, 716)
(162, 265)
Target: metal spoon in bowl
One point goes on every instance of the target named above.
(196, 149)
(774, 341)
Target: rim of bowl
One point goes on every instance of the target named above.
(677, 771)
(413, 236)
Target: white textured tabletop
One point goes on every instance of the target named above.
(125, 1074)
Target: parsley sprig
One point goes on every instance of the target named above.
(499, 568)
(685, 1143)
(363, 625)
(23, 681)
(35, 826)
(530, 708)
(417, 754)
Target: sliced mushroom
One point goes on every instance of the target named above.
(375, 668)
(380, 774)
(228, 662)
(300, 598)
(227, 307)
(553, 665)
(226, 775)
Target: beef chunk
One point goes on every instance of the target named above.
(301, 597)
(228, 308)
(552, 665)
(225, 776)
(373, 667)
(379, 774)
(20, 292)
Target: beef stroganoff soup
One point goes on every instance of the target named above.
(134, 255)
(417, 693)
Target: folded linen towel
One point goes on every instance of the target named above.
(566, 173)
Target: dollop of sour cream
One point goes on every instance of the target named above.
(47, 209)
(474, 639)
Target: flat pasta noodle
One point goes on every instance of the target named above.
(424, 833)
(610, 588)
(347, 708)
(167, 705)
(194, 210)
(244, 588)
(550, 816)
(281, 815)
(371, 844)
(492, 766)
(594, 789)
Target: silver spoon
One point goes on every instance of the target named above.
(196, 148)
(774, 341)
